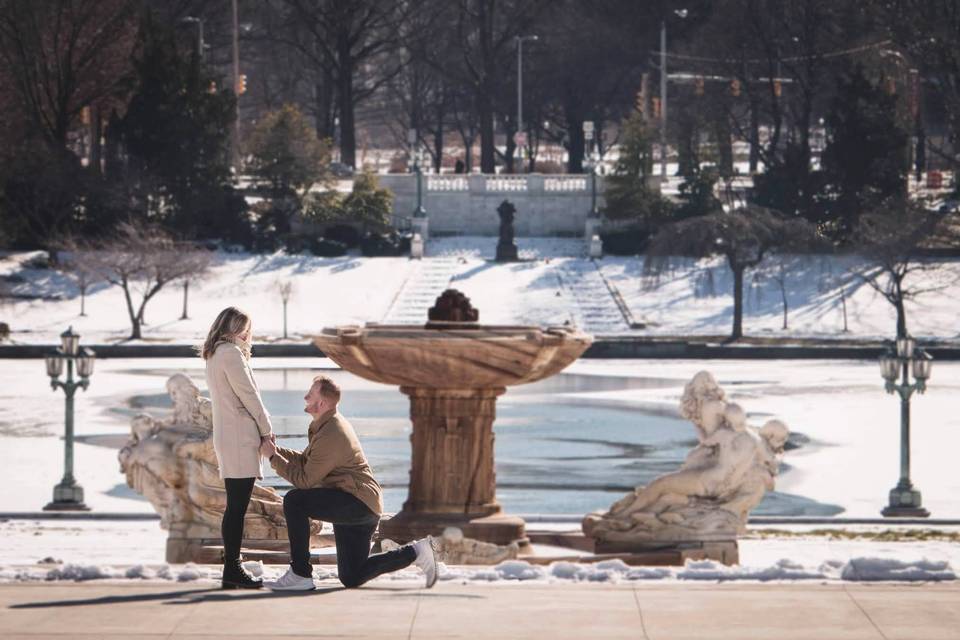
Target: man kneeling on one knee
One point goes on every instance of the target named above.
(333, 483)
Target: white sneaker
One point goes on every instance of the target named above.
(291, 582)
(426, 559)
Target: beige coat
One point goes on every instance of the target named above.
(239, 417)
(333, 459)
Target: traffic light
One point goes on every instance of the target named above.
(213, 87)
(241, 84)
(656, 107)
(698, 85)
(735, 88)
(777, 88)
(641, 102)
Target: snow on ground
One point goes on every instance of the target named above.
(695, 297)
(553, 284)
(327, 291)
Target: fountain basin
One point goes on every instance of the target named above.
(453, 373)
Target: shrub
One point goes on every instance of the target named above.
(384, 244)
(368, 204)
(627, 241)
(345, 233)
(327, 248)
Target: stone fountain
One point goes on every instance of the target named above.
(453, 369)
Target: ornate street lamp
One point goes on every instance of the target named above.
(905, 500)
(68, 495)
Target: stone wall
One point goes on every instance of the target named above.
(547, 204)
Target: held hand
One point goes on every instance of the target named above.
(267, 447)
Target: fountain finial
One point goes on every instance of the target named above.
(452, 306)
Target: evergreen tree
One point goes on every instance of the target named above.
(627, 193)
(866, 159)
(176, 134)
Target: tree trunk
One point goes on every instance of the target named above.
(754, 135)
(95, 133)
(284, 320)
(901, 317)
(186, 289)
(783, 295)
(721, 127)
(134, 316)
(485, 109)
(348, 139)
(843, 302)
(737, 302)
(576, 147)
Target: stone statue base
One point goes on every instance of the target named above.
(455, 548)
(498, 529)
(673, 553)
(507, 252)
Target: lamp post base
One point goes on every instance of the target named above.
(905, 502)
(67, 497)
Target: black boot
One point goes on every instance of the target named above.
(235, 577)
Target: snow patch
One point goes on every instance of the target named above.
(875, 569)
(858, 569)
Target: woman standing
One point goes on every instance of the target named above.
(240, 424)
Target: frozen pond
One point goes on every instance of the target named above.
(556, 452)
(570, 444)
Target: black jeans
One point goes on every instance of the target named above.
(353, 527)
(231, 528)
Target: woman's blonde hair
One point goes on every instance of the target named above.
(230, 323)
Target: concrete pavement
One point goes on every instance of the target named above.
(388, 609)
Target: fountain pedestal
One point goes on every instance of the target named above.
(453, 369)
(452, 477)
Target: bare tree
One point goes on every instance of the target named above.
(894, 239)
(140, 259)
(197, 260)
(64, 56)
(285, 289)
(76, 261)
(779, 276)
(744, 237)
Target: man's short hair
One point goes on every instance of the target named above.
(328, 388)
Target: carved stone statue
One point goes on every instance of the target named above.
(710, 496)
(172, 463)
(506, 248)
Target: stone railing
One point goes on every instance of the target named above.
(547, 204)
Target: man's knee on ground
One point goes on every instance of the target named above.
(350, 580)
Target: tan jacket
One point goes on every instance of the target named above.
(239, 417)
(333, 459)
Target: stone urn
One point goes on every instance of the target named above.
(453, 369)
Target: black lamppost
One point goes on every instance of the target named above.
(68, 495)
(416, 154)
(905, 500)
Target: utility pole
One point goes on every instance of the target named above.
(235, 142)
(663, 100)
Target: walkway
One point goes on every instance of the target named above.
(658, 611)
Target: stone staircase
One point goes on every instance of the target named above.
(427, 280)
(596, 307)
